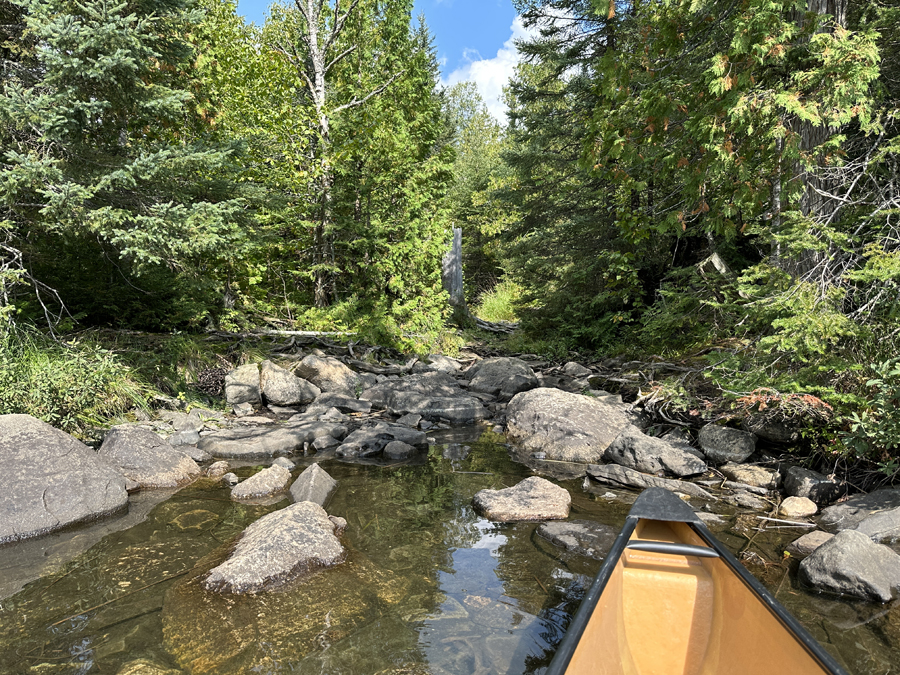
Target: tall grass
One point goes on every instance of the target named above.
(71, 386)
(498, 304)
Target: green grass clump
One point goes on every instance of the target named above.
(70, 385)
(498, 304)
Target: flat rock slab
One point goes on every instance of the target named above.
(51, 480)
(346, 404)
(534, 498)
(622, 475)
(751, 474)
(313, 485)
(881, 526)
(584, 537)
(849, 514)
(432, 395)
(800, 548)
(852, 564)
(564, 426)
(636, 450)
(724, 444)
(266, 483)
(254, 443)
(146, 459)
(278, 547)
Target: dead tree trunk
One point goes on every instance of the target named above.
(452, 275)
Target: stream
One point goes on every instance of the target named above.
(429, 586)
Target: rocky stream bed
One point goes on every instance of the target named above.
(433, 516)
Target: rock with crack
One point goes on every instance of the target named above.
(50, 480)
(584, 537)
(330, 375)
(614, 474)
(534, 498)
(279, 547)
(146, 459)
(270, 481)
(851, 564)
(564, 426)
(255, 443)
(503, 377)
(431, 395)
(280, 387)
(634, 449)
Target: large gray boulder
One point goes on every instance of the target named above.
(564, 426)
(146, 459)
(270, 481)
(50, 480)
(278, 547)
(242, 385)
(800, 482)
(585, 537)
(852, 564)
(848, 514)
(313, 485)
(282, 388)
(724, 444)
(256, 443)
(634, 449)
(329, 374)
(502, 376)
(431, 395)
(534, 498)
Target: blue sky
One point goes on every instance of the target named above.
(473, 40)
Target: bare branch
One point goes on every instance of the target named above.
(340, 56)
(357, 102)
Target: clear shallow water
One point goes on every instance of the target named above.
(429, 586)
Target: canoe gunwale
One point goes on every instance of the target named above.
(666, 506)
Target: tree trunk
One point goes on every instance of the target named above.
(452, 276)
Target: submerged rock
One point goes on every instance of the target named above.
(146, 459)
(566, 427)
(51, 480)
(852, 564)
(585, 537)
(534, 498)
(280, 546)
(432, 395)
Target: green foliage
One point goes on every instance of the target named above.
(874, 433)
(499, 303)
(72, 385)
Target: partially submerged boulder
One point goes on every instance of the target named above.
(313, 485)
(634, 449)
(146, 459)
(564, 426)
(278, 547)
(280, 387)
(852, 564)
(800, 548)
(268, 482)
(534, 498)
(50, 480)
(372, 440)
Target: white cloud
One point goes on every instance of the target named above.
(491, 75)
